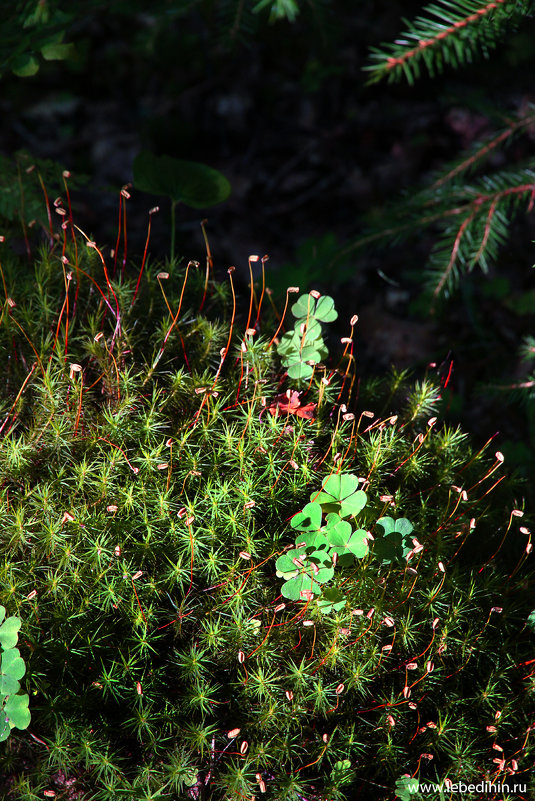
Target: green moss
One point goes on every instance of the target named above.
(146, 498)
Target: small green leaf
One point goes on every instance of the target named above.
(286, 564)
(321, 308)
(57, 51)
(325, 310)
(8, 685)
(402, 525)
(2, 613)
(296, 589)
(5, 728)
(16, 709)
(342, 772)
(531, 620)
(406, 786)
(300, 370)
(355, 543)
(304, 307)
(307, 330)
(395, 544)
(12, 664)
(188, 182)
(331, 600)
(309, 519)
(312, 541)
(321, 574)
(9, 632)
(25, 65)
(286, 575)
(340, 491)
(190, 777)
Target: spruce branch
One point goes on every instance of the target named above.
(450, 35)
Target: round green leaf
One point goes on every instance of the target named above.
(325, 310)
(341, 490)
(25, 66)
(356, 543)
(304, 307)
(296, 589)
(396, 542)
(321, 308)
(16, 709)
(9, 632)
(8, 685)
(309, 519)
(285, 562)
(404, 527)
(322, 574)
(188, 182)
(5, 728)
(331, 600)
(300, 370)
(12, 664)
(312, 541)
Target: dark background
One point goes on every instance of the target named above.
(312, 153)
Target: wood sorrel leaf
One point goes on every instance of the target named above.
(286, 563)
(300, 370)
(332, 600)
(321, 308)
(340, 494)
(395, 544)
(296, 588)
(354, 543)
(312, 541)
(9, 632)
(16, 709)
(188, 182)
(12, 664)
(309, 519)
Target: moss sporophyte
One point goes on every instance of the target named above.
(206, 546)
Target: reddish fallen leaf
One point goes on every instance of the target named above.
(290, 404)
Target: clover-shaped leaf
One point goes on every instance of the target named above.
(340, 494)
(16, 709)
(9, 632)
(406, 786)
(291, 560)
(307, 330)
(188, 182)
(12, 664)
(296, 350)
(12, 668)
(349, 545)
(334, 524)
(342, 772)
(321, 308)
(300, 370)
(309, 519)
(395, 544)
(300, 587)
(8, 685)
(312, 541)
(5, 728)
(332, 600)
